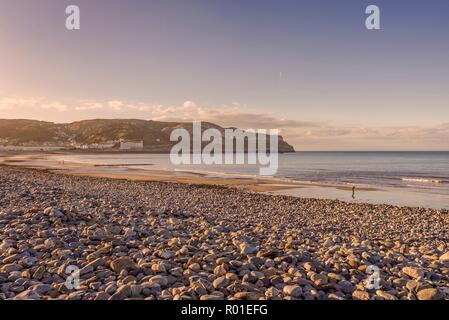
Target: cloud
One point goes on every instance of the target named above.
(116, 105)
(54, 105)
(337, 137)
(89, 106)
(13, 103)
(189, 104)
(235, 114)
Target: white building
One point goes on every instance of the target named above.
(131, 144)
(98, 146)
(27, 148)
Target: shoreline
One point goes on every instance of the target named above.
(41, 160)
(396, 196)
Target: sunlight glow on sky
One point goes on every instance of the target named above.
(309, 67)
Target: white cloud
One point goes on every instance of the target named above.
(189, 104)
(116, 105)
(54, 105)
(13, 103)
(89, 106)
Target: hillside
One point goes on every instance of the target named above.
(155, 134)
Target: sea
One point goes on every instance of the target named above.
(422, 173)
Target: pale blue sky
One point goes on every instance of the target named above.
(306, 61)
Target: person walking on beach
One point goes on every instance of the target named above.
(353, 192)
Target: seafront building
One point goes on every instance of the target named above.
(121, 144)
(131, 144)
(29, 148)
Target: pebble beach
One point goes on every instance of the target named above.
(151, 240)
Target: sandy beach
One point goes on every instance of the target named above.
(48, 161)
(157, 240)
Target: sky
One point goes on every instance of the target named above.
(308, 68)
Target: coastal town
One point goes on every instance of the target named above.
(122, 144)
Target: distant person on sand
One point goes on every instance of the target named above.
(353, 192)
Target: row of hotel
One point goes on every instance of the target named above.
(121, 145)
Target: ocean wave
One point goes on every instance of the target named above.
(424, 180)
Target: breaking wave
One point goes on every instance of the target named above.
(424, 180)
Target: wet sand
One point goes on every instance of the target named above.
(127, 172)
